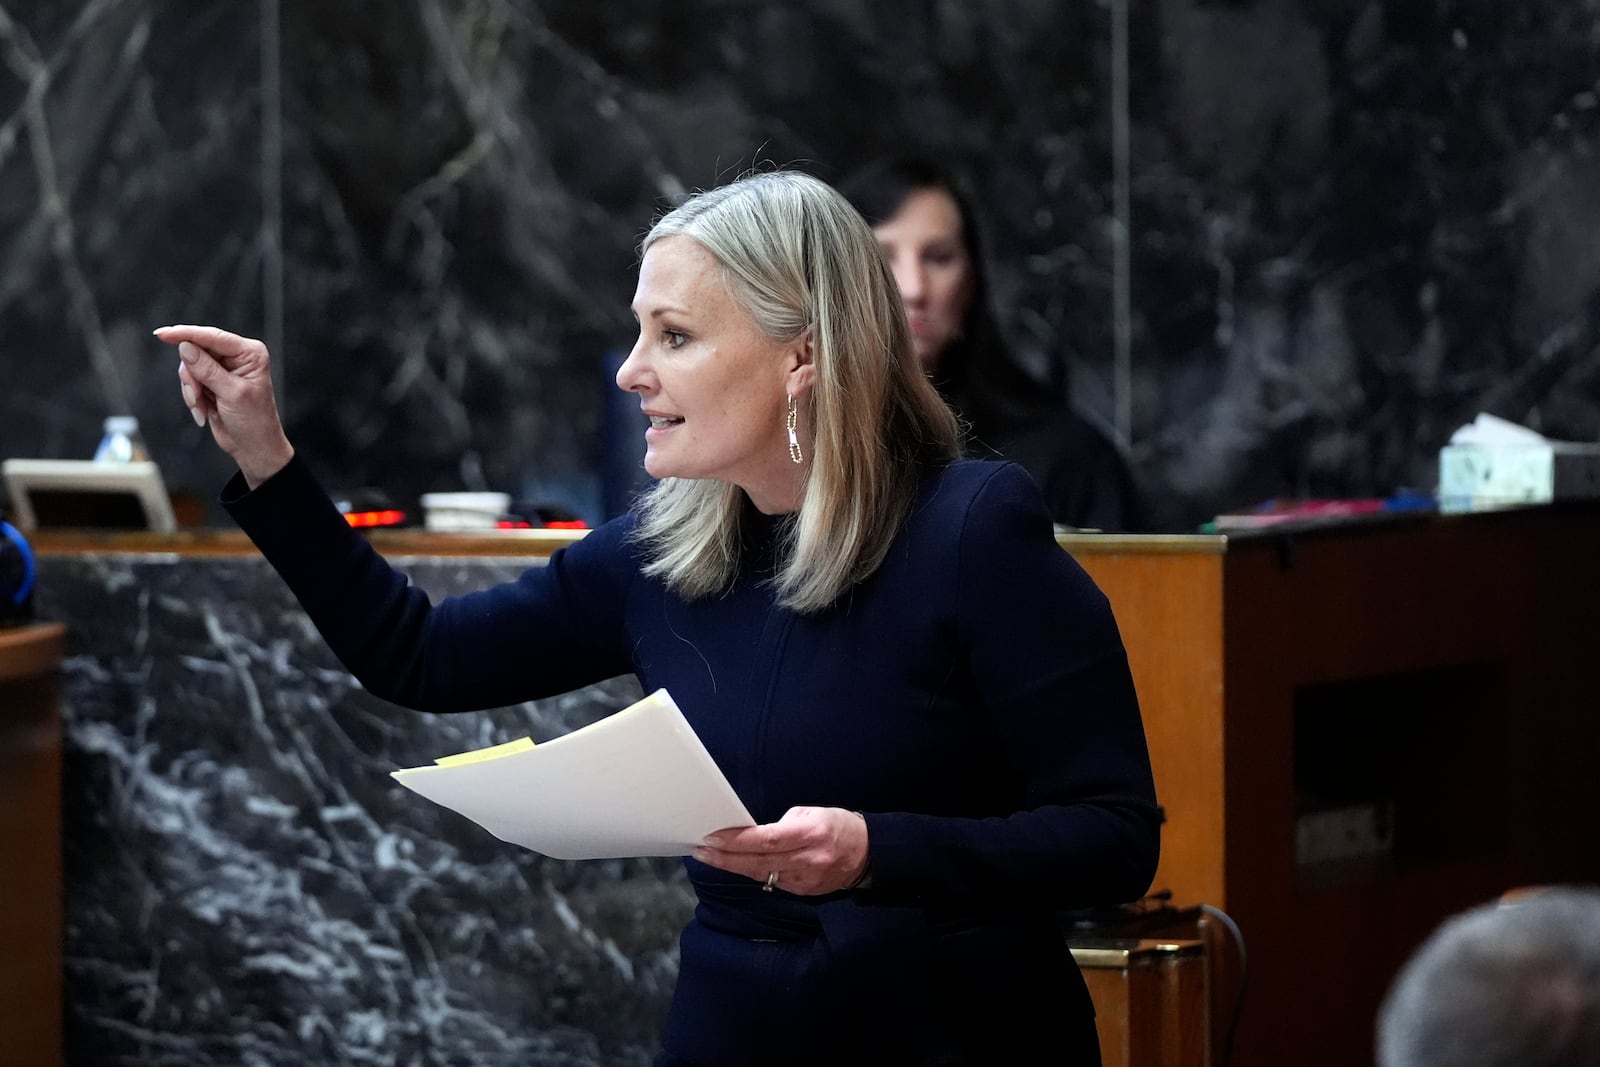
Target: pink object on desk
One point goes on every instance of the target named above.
(1276, 511)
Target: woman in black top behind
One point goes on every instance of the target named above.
(929, 232)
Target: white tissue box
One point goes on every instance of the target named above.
(1476, 476)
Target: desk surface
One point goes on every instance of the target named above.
(1132, 952)
(412, 541)
(500, 543)
(29, 650)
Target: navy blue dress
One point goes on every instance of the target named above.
(972, 698)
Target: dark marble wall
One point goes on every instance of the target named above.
(247, 884)
(1283, 246)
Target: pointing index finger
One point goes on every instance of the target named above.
(216, 341)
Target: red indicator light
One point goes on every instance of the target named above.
(389, 517)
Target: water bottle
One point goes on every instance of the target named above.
(121, 442)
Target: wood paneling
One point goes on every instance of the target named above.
(1441, 660)
(1150, 1001)
(1168, 608)
(30, 842)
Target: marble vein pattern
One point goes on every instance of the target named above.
(1296, 244)
(247, 885)
(1292, 245)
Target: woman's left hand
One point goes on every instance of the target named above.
(809, 851)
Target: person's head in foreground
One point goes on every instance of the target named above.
(1511, 984)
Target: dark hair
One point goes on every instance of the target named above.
(977, 373)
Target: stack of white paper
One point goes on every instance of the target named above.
(637, 783)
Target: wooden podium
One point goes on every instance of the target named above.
(1150, 1002)
(30, 841)
(1357, 730)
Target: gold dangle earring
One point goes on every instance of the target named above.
(791, 422)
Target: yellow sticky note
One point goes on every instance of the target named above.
(521, 744)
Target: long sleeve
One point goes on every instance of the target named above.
(1050, 676)
(556, 627)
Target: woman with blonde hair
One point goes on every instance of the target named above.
(921, 699)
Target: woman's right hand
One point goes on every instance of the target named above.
(227, 382)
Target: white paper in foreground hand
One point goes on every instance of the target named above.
(636, 783)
